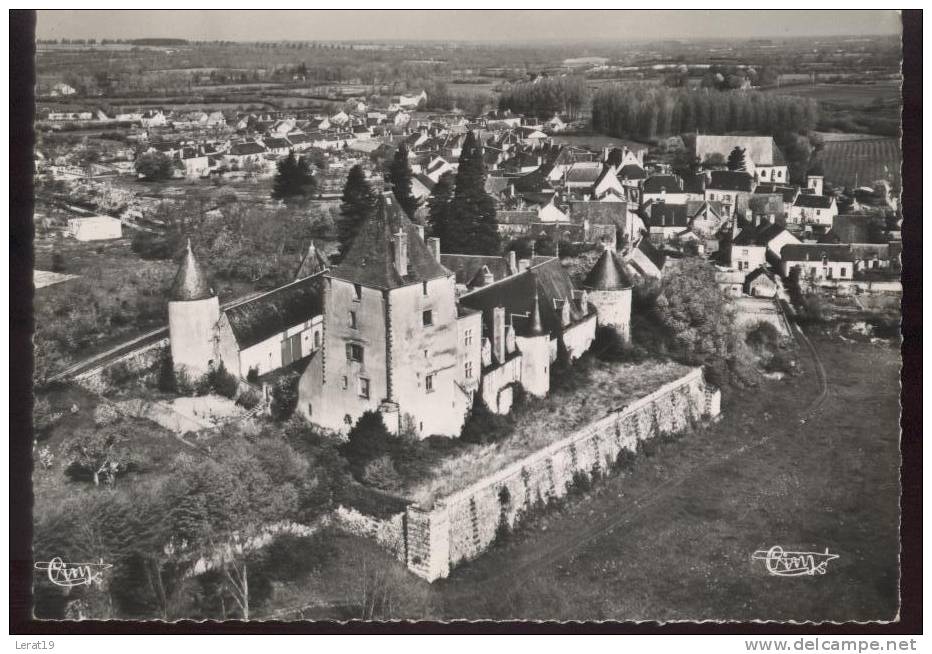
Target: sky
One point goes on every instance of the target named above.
(464, 25)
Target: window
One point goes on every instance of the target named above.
(357, 292)
(364, 387)
(818, 212)
(424, 288)
(428, 318)
(352, 319)
(316, 340)
(468, 370)
(779, 173)
(467, 338)
(429, 383)
(345, 382)
(310, 409)
(841, 272)
(354, 352)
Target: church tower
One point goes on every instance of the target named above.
(193, 313)
(609, 290)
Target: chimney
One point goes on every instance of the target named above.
(498, 333)
(420, 230)
(605, 153)
(523, 264)
(512, 261)
(433, 243)
(487, 276)
(400, 242)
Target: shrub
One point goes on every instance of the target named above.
(58, 262)
(381, 473)
(221, 382)
(98, 456)
(249, 400)
(368, 440)
(252, 376)
(165, 379)
(105, 414)
(580, 483)
(117, 374)
(285, 396)
(626, 459)
(483, 426)
(763, 337)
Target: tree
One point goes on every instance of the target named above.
(357, 207)
(736, 159)
(155, 166)
(399, 174)
(472, 228)
(294, 181)
(99, 455)
(367, 440)
(439, 207)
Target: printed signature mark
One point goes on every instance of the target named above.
(782, 563)
(72, 574)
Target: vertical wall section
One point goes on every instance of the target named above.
(461, 526)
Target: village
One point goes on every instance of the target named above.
(422, 329)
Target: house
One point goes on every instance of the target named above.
(436, 169)
(663, 188)
(196, 163)
(421, 186)
(768, 206)
(95, 228)
(607, 183)
(665, 221)
(555, 124)
(760, 282)
(732, 188)
(811, 209)
(243, 153)
(747, 251)
(818, 262)
(643, 260)
(154, 118)
(61, 89)
(765, 162)
(338, 120)
(361, 133)
(705, 219)
(277, 145)
(789, 193)
(412, 101)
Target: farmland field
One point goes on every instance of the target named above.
(854, 94)
(861, 162)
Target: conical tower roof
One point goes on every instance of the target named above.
(314, 262)
(190, 281)
(608, 274)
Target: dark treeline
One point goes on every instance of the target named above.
(545, 97)
(646, 113)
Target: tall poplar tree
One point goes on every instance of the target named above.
(356, 208)
(439, 209)
(472, 226)
(399, 174)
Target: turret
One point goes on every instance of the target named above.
(609, 291)
(193, 314)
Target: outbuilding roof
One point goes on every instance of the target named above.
(255, 320)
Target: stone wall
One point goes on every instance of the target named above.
(461, 526)
(389, 533)
(143, 358)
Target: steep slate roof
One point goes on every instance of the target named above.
(731, 180)
(789, 192)
(759, 235)
(467, 266)
(632, 171)
(314, 262)
(516, 294)
(260, 318)
(656, 256)
(694, 183)
(274, 143)
(810, 201)
(760, 149)
(658, 183)
(584, 172)
(599, 213)
(240, 149)
(190, 280)
(661, 214)
(766, 204)
(815, 252)
(852, 228)
(370, 258)
(608, 274)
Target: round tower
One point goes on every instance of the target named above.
(609, 289)
(193, 314)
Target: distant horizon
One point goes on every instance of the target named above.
(465, 26)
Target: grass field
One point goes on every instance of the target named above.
(861, 162)
(685, 522)
(857, 94)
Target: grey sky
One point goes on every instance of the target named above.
(471, 25)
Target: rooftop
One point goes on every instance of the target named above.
(262, 317)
